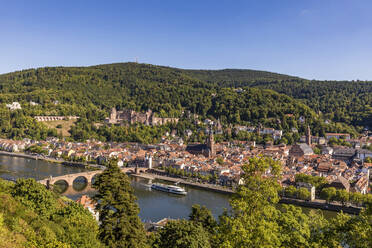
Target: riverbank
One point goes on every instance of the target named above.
(50, 160)
(205, 186)
(24, 155)
(321, 204)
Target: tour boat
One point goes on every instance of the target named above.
(169, 188)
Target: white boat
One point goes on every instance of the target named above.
(169, 188)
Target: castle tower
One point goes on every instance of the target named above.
(308, 136)
(113, 115)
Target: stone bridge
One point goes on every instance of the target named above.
(88, 175)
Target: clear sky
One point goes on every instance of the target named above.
(314, 39)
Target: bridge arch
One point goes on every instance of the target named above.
(80, 183)
(60, 186)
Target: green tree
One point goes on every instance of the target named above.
(342, 196)
(34, 195)
(356, 198)
(81, 229)
(328, 194)
(303, 194)
(120, 224)
(290, 191)
(294, 227)
(182, 234)
(203, 216)
(253, 220)
(317, 150)
(219, 160)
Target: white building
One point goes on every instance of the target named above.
(14, 106)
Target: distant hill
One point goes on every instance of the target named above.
(91, 91)
(229, 76)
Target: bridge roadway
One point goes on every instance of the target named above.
(88, 175)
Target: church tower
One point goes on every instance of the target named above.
(210, 144)
(308, 136)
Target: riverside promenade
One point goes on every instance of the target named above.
(51, 160)
(322, 204)
(30, 156)
(206, 186)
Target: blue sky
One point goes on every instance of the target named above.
(320, 39)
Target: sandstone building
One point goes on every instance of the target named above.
(131, 117)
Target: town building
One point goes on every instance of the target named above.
(300, 150)
(208, 149)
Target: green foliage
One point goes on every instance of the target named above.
(294, 227)
(339, 142)
(90, 92)
(253, 221)
(368, 160)
(219, 160)
(339, 101)
(317, 150)
(316, 181)
(35, 196)
(37, 149)
(303, 194)
(182, 234)
(228, 77)
(328, 194)
(203, 216)
(342, 196)
(75, 220)
(120, 224)
(18, 124)
(256, 222)
(32, 216)
(290, 191)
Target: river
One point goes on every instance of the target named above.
(154, 205)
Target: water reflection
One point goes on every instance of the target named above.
(155, 205)
(12, 168)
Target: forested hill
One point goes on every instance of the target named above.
(91, 91)
(227, 77)
(165, 90)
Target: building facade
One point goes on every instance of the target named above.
(132, 117)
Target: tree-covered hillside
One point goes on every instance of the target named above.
(167, 91)
(90, 92)
(225, 76)
(32, 216)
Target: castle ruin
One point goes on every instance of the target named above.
(132, 117)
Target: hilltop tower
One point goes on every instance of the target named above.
(308, 136)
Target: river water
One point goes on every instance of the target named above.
(154, 205)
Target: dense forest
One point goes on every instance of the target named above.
(233, 96)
